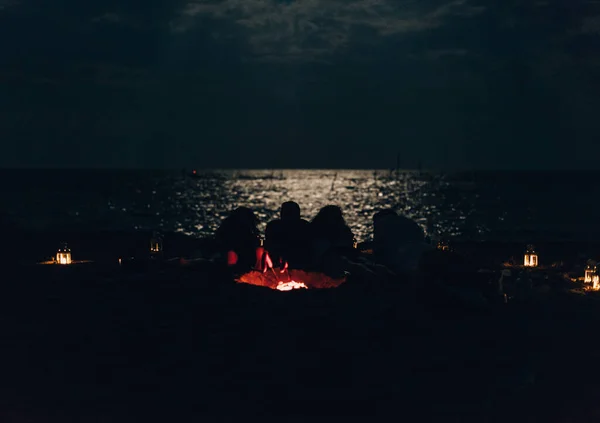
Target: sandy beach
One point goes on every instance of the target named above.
(92, 342)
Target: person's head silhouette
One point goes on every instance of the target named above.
(329, 216)
(290, 210)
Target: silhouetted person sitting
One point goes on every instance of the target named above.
(329, 232)
(398, 242)
(287, 239)
(238, 238)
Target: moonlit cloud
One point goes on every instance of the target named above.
(215, 78)
(311, 29)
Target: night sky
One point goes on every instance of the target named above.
(462, 84)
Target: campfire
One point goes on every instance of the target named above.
(289, 279)
(284, 279)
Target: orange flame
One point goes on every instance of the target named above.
(268, 263)
(260, 252)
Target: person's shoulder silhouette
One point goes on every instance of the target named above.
(239, 233)
(287, 237)
(329, 224)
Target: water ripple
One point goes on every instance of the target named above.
(478, 206)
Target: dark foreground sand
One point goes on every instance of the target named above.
(82, 345)
(92, 343)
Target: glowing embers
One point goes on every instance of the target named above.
(290, 280)
(283, 278)
(288, 286)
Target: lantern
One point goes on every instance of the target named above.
(531, 257)
(63, 256)
(443, 245)
(590, 272)
(156, 244)
(591, 277)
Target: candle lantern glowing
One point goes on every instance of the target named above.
(443, 245)
(590, 272)
(156, 244)
(591, 277)
(63, 256)
(531, 257)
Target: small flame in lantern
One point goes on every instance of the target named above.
(63, 256)
(288, 286)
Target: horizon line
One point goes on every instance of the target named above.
(270, 169)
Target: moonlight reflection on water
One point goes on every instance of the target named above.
(359, 193)
(473, 205)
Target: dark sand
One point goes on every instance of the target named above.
(91, 343)
(78, 346)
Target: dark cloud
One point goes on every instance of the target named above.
(314, 29)
(349, 83)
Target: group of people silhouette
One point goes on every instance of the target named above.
(398, 242)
